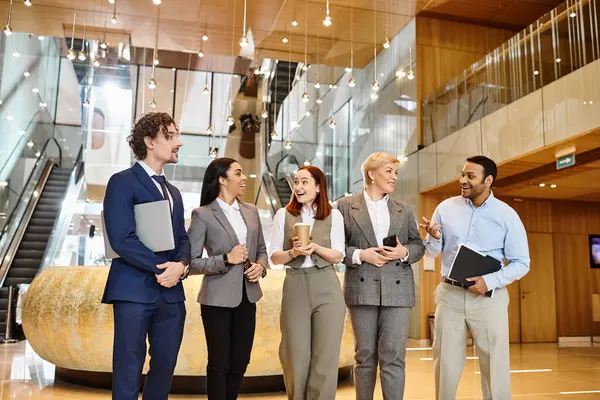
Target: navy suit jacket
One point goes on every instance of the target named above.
(132, 277)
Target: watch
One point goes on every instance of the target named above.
(186, 269)
(225, 260)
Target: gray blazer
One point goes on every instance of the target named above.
(210, 230)
(390, 285)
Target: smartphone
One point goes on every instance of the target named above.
(390, 241)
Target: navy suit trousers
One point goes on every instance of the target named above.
(162, 323)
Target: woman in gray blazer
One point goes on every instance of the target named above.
(382, 241)
(231, 233)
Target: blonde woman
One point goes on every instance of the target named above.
(382, 241)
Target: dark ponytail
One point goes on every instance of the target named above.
(210, 185)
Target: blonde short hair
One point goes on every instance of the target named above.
(376, 161)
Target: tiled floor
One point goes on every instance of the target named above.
(540, 371)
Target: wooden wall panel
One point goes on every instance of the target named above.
(569, 217)
(538, 301)
(535, 215)
(428, 279)
(446, 48)
(573, 286)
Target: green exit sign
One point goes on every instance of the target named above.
(565, 161)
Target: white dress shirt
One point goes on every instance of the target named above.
(151, 173)
(234, 216)
(379, 213)
(336, 236)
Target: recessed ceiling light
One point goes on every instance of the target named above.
(573, 15)
(542, 184)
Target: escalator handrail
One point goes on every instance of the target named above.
(7, 259)
(12, 214)
(291, 157)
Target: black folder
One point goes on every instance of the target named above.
(469, 263)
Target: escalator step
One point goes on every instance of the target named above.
(14, 282)
(61, 171)
(41, 222)
(52, 195)
(28, 273)
(4, 295)
(32, 245)
(54, 208)
(53, 190)
(39, 230)
(26, 263)
(4, 303)
(50, 203)
(44, 215)
(29, 254)
(35, 237)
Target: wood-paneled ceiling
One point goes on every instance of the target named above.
(521, 178)
(183, 22)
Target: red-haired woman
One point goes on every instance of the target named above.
(313, 308)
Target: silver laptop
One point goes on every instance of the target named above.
(152, 226)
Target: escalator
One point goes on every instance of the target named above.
(284, 191)
(27, 248)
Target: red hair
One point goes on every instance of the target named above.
(322, 201)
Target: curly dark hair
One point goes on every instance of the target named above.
(149, 124)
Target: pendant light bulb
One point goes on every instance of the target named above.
(257, 71)
(27, 3)
(294, 23)
(96, 63)
(82, 56)
(386, 44)
(26, 74)
(244, 42)
(319, 101)
(375, 86)
(287, 145)
(304, 68)
(7, 30)
(114, 19)
(411, 75)
(71, 54)
(284, 40)
(274, 133)
(213, 153)
(351, 82)
(327, 21)
(307, 114)
(86, 103)
(200, 54)
(305, 97)
(152, 83)
(104, 45)
(157, 2)
(400, 73)
(205, 37)
(374, 96)
(152, 104)
(156, 61)
(206, 91)
(264, 114)
(111, 1)
(230, 121)
(317, 85)
(209, 130)
(332, 123)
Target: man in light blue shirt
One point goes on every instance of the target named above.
(485, 224)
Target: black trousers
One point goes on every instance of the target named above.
(229, 337)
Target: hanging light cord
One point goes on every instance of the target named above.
(72, 31)
(155, 40)
(9, 12)
(305, 41)
(374, 43)
(351, 39)
(244, 18)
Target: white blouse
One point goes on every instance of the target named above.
(336, 235)
(234, 216)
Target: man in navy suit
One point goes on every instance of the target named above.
(145, 287)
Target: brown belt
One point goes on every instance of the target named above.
(454, 283)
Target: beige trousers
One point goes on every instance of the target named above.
(312, 321)
(487, 319)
